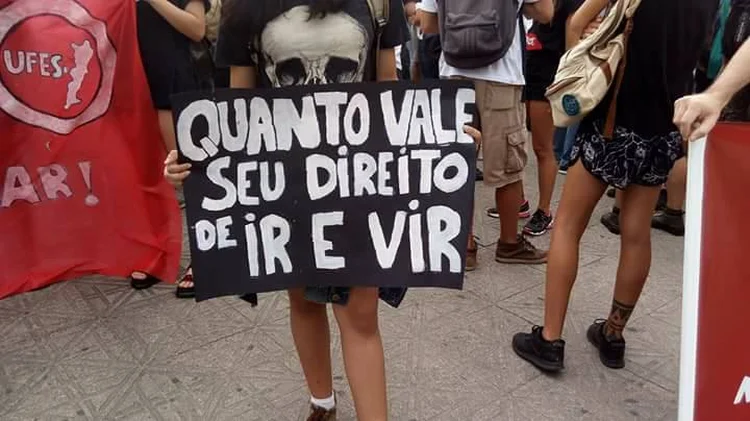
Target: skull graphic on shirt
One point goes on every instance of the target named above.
(302, 51)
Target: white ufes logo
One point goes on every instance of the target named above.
(57, 64)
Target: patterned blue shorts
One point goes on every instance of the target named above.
(628, 158)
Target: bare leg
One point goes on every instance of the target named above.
(472, 244)
(507, 200)
(471, 249)
(677, 184)
(542, 138)
(471, 254)
(580, 195)
(635, 255)
(618, 199)
(363, 353)
(312, 339)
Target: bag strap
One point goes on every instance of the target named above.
(379, 10)
(609, 126)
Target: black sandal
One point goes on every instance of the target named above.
(250, 298)
(185, 292)
(144, 283)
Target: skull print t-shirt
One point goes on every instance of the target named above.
(290, 48)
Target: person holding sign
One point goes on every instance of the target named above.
(273, 44)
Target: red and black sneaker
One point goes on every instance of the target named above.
(539, 224)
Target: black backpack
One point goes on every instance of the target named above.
(477, 33)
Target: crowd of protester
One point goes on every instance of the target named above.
(676, 48)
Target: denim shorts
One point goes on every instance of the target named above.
(340, 295)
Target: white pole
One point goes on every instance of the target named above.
(691, 279)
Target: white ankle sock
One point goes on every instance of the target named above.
(327, 403)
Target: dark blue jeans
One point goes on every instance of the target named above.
(565, 138)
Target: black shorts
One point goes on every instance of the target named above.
(166, 79)
(541, 68)
(628, 158)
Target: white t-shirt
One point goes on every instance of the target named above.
(508, 70)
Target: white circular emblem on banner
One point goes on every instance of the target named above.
(104, 52)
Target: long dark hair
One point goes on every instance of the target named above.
(243, 17)
(319, 8)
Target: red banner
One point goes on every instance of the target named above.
(715, 380)
(81, 190)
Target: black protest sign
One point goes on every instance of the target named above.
(337, 185)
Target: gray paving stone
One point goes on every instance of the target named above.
(93, 349)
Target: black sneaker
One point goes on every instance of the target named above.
(539, 224)
(669, 220)
(611, 352)
(611, 220)
(542, 354)
(523, 212)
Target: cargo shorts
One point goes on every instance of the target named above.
(504, 135)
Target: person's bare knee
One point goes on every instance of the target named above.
(580, 195)
(637, 208)
(360, 315)
(634, 232)
(542, 129)
(570, 223)
(543, 152)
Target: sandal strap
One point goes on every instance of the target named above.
(187, 277)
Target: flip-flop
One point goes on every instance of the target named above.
(144, 283)
(185, 292)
